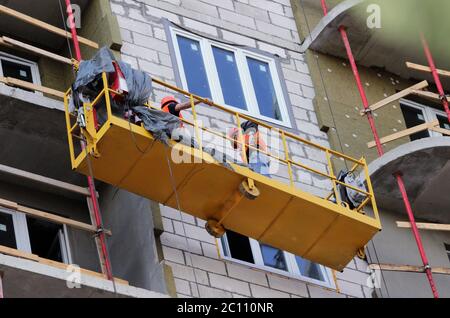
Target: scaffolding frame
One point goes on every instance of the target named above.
(398, 175)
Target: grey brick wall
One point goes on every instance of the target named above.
(268, 26)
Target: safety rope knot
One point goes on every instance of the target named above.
(367, 111)
(99, 232)
(443, 98)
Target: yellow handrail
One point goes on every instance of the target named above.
(283, 135)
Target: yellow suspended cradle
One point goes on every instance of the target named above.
(321, 229)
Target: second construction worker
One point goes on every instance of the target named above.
(257, 160)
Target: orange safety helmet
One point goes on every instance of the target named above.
(167, 100)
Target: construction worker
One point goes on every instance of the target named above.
(257, 161)
(171, 105)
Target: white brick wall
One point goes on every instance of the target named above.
(267, 25)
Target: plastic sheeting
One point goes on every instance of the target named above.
(88, 79)
(158, 123)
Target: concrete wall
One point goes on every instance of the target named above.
(397, 246)
(268, 26)
(132, 247)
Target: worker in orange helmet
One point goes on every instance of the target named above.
(257, 161)
(171, 105)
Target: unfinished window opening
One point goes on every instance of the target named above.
(414, 117)
(238, 247)
(47, 240)
(7, 231)
(416, 114)
(18, 68)
(447, 249)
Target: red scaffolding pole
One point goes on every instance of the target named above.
(435, 74)
(1, 286)
(398, 175)
(91, 184)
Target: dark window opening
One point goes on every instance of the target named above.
(17, 70)
(414, 117)
(44, 239)
(7, 232)
(443, 122)
(239, 247)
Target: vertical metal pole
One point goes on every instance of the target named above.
(73, 30)
(92, 190)
(397, 176)
(435, 74)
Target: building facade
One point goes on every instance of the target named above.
(238, 53)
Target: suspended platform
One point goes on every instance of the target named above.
(277, 214)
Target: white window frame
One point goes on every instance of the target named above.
(241, 55)
(293, 270)
(33, 66)
(430, 114)
(20, 229)
(23, 237)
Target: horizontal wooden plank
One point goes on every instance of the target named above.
(16, 253)
(50, 217)
(408, 268)
(426, 94)
(440, 130)
(32, 257)
(44, 180)
(43, 25)
(425, 226)
(36, 50)
(424, 68)
(397, 96)
(405, 133)
(27, 85)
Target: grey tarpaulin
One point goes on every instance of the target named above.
(89, 72)
(158, 123)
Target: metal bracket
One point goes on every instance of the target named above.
(367, 111)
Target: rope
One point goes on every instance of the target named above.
(172, 180)
(67, 32)
(340, 141)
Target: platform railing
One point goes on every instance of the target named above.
(359, 165)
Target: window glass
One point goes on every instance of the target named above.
(229, 78)
(309, 269)
(273, 257)
(194, 67)
(7, 232)
(264, 88)
(414, 117)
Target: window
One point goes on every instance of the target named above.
(42, 238)
(12, 66)
(447, 249)
(240, 79)
(416, 114)
(242, 249)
